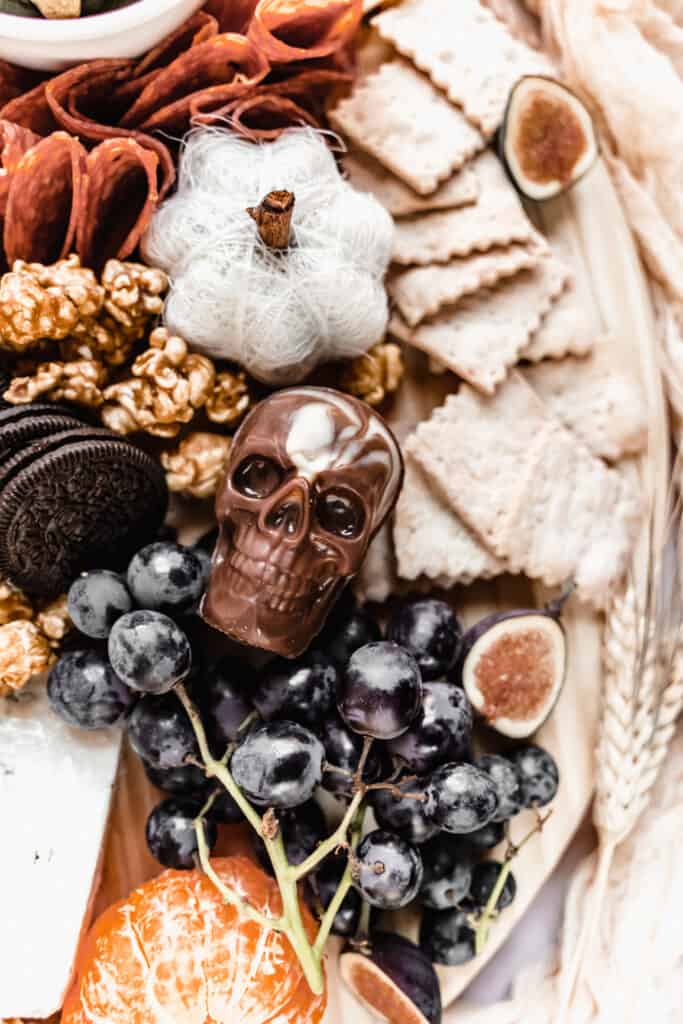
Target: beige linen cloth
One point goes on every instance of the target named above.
(625, 58)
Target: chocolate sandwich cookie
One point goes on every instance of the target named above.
(77, 501)
(18, 431)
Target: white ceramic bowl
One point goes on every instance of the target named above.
(51, 45)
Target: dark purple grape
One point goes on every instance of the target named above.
(221, 699)
(186, 780)
(394, 979)
(340, 639)
(302, 829)
(224, 810)
(171, 835)
(487, 837)
(449, 891)
(446, 937)
(388, 871)
(166, 577)
(381, 690)
(96, 600)
(149, 652)
(302, 690)
(84, 690)
(161, 733)
(343, 749)
(506, 780)
(322, 886)
(442, 853)
(430, 631)
(461, 798)
(406, 816)
(279, 764)
(484, 879)
(538, 775)
(441, 731)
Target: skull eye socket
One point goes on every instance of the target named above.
(340, 513)
(257, 476)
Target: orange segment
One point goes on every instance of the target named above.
(174, 952)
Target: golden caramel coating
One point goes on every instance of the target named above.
(196, 466)
(14, 604)
(24, 652)
(374, 375)
(168, 385)
(54, 621)
(134, 292)
(80, 382)
(230, 398)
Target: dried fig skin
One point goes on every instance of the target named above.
(395, 980)
(547, 140)
(514, 666)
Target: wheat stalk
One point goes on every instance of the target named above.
(642, 698)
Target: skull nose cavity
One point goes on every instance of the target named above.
(286, 517)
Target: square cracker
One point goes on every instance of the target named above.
(431, 540)
(368, 175)
(422, 291)
(465, 50)
(568, 329)
(534, 494)
(409, 126)
(497, 218)
(600, 402)
(482, 336)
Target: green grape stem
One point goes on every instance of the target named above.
(291, 924)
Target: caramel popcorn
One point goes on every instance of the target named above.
(54, 621)
(374, 375)
(134, 292)
(80, 382)
(103, 339)
(196, 466)
(168, 385)
(24, 652)
(14, 605)
(230, 398)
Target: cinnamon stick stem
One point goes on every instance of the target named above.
(273, 217)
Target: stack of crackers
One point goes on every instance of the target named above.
(516, 471)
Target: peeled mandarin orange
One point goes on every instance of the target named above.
(175, 953)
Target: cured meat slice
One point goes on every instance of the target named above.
(232, 15)
(121, 198)
(284, 30)
(306, 89)
(31, 110)
(45, 200)
(197, 29)
(14, 81)
(229, 63)
(265, 117)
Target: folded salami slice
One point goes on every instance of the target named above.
(84, 101)
(197, 29)
(231, 15)
(45, 200)
(14, 81)
(228, 65)
(305, 90)
(265, 117)
(31, 110)
(284, 31)
(121, 198)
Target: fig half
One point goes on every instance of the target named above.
(547, 139)
(395, 980)
(513, 668)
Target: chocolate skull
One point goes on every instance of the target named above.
(311, 477)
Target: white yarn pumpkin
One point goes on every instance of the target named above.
(277, 314)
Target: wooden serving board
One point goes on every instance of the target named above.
(589, 227)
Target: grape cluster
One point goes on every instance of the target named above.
(380, 721)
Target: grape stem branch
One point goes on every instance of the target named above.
(481, 934)
(287, 875)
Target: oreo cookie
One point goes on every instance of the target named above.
(19, 431)
(80, 499)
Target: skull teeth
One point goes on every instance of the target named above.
(281, 587)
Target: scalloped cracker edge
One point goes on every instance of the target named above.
(432, 541)
(420, 292)
(496, 219)
(481, 337)
(368, 175)
(599, 400)
(465, 50)
(532, 492)
(568, 329)
(399, 117)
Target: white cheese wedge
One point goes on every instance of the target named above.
(56, 784)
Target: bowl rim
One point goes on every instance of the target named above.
(94, 26)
